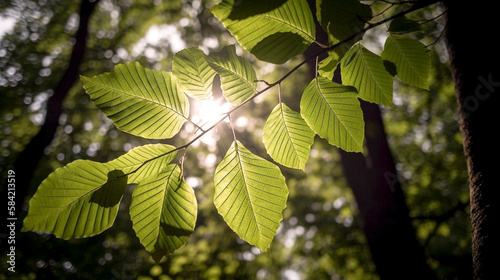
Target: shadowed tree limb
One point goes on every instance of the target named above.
(382, 205)
(27, 161)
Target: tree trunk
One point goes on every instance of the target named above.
(470, 34)
(27, 161)
(382, 205)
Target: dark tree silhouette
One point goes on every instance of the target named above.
(382, 205)
(27, 161)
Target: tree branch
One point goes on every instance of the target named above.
(28, 159)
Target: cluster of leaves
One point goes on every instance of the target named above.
(82, 199)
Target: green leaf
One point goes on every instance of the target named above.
(403, 25)
(163, 212)
(333, 111)
(287, 137)
(250, 194)
(274, 35)
(411, 59)
(366, 72)
(80, 199)
(342, 18)
(328, 65)
(238, 78)
(144, 161)
(139, 101)
(193, 73)
(247, 8)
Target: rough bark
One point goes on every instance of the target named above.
(27, 161)
(473, 50)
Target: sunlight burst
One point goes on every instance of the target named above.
(210, 112)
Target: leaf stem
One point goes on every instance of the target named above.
(232, 127)
(279, 93)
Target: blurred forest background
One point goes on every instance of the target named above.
(320, 237)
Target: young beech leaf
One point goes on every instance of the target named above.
(342, 18)
(139, 101)
(193, 73)
(163, 212)
(144, 161)
(411, 59)
(366, 72)
(333, 111)
(238, 78)
(80, 199)
(250, 194)
(328, 65)
(276, 34)
(404, 25)
(287, 137)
